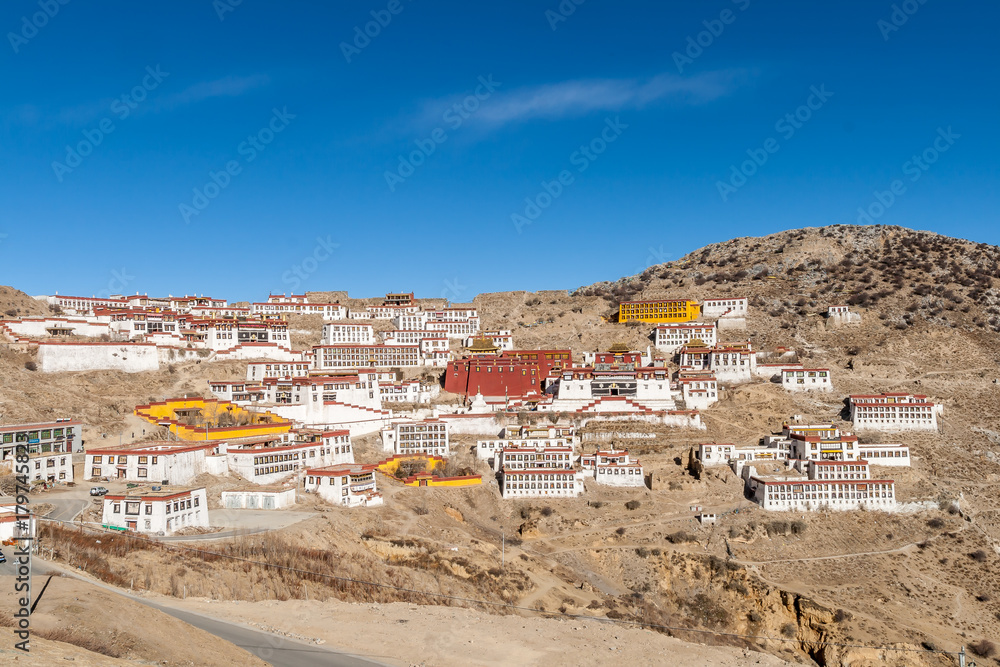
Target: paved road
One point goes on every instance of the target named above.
(66, 509)
(7, 569)
(274, 649)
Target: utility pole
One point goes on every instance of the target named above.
(961, 657)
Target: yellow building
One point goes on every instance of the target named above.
(210, 419)
(667, 310)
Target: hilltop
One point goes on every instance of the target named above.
(929, 322)
(910, 277)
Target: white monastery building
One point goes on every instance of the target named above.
(670, 338)
(348, 332)
(347, 485)
(731, 306)
(614, 468)
(541, 483)
(806, 379)
(429, 436)
(828, 485)
(160, 512)
(894, 412)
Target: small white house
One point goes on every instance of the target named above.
(614, 468)
(259, 498)
(162, 511)
(731, 306)
(700, 389)
(350, 485)
(715, 454)
(51, 467)
(734, 362)
(428, 436)
(806, 379)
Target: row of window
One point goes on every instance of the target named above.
(830, 496)
(25, 436)
(270, 470)
(798, 488)
(539, 476)
(133, 506)
(524, 486)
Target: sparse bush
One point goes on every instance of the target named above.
(546, 511)
(632, 505)
(979, 556)
(840, 616)
(777, 528)
(620, 531)
(936, 523)
(708, 611)
(680, 537)
(789, 630)
(31, 365)
(10, 312)
(798, 527)
(117, 645)
(984, 648)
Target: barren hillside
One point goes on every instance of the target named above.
(923, 580)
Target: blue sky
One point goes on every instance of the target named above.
(236, 148)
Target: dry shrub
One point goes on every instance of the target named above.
(267, 567)
(777, 528)
(119, 648)
(680, 537)
(707, 611)
(984, 648)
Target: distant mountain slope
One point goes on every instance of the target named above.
(909, 275)
(15, 303)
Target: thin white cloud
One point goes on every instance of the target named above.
(230, 86)
(578, 98)
(88, 112)
(582, 96)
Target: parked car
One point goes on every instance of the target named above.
(3, 559)
(98, 491)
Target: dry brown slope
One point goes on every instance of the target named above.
(15, 303)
